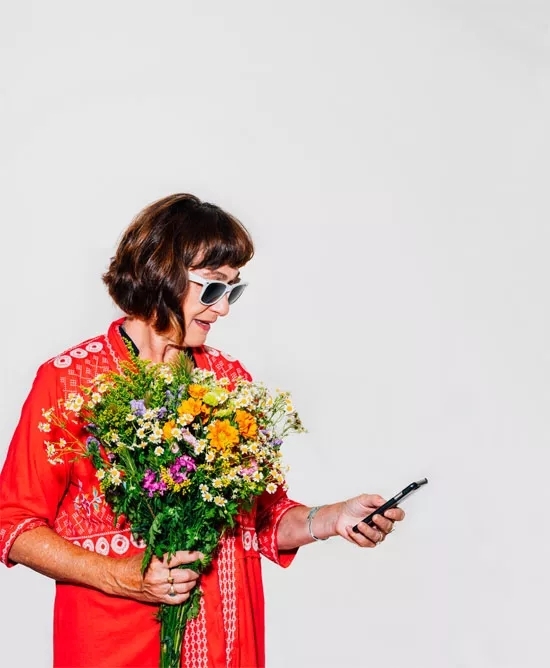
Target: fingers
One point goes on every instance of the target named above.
(165, 581)
(383, 523)
(371, 536)
(179, 584)
(395, 514)
(367, 536)
(181, 557)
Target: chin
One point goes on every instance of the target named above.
(194, 340)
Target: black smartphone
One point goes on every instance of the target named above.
(394, 501)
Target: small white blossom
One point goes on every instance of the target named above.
(74, 402)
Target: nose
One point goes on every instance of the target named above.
(221, 307)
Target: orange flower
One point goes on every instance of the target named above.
(222, 435)
(167, 429)
(247, 424)
(190, 407)
(197, 391)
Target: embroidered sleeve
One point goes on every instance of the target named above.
(271, 508)
(30, 487)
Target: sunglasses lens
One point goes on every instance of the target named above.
(236, 293)
(213, 292)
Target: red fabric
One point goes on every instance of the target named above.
(91, 629)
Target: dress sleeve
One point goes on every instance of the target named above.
(271, 508)
(30, 487)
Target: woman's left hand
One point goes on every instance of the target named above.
(354, 510)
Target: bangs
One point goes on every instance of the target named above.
(220, 239)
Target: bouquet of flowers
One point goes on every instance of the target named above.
(179, 453)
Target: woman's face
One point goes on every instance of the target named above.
(198, 317)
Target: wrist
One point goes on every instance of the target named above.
(310, 517)
(321, 521)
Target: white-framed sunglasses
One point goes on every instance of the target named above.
(213, 291)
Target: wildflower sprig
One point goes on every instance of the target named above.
(179, 453)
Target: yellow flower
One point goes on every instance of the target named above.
(190, 407)
(222, 435)
(247, 424)
(167, 430)
(197, 391)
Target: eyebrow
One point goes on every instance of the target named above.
(220, 276)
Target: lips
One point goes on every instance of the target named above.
(203, 324)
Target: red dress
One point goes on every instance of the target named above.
(92, 629)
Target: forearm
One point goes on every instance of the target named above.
(293, 530)
(46, 552)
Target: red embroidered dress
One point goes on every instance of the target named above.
(91, 629)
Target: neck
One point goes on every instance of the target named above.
(151, 345)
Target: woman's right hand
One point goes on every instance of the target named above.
(162, 582)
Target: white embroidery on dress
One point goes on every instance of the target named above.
(102, 546)
(62, 361)
(94, 347)
(247, 540)
(119, 544)
(195, 646)
(78, 353)
(113, 355)
(227, 580)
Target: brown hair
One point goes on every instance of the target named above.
(147, 277)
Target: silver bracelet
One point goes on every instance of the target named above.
(310, 517)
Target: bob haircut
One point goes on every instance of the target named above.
(147, 277)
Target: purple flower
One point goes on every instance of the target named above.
(137, 406)
(181, 467)
(187, 462)
(277, 441)
(169, 396)
(161, 412)
(152, 485)
(91, 442)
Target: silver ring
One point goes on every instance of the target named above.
(172, 591)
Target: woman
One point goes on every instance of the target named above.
(175, 272)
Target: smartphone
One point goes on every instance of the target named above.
(394, 501)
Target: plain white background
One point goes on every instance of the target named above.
(391, 162)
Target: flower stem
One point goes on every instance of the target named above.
(174, 620)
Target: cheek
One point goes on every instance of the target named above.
(191, 306)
